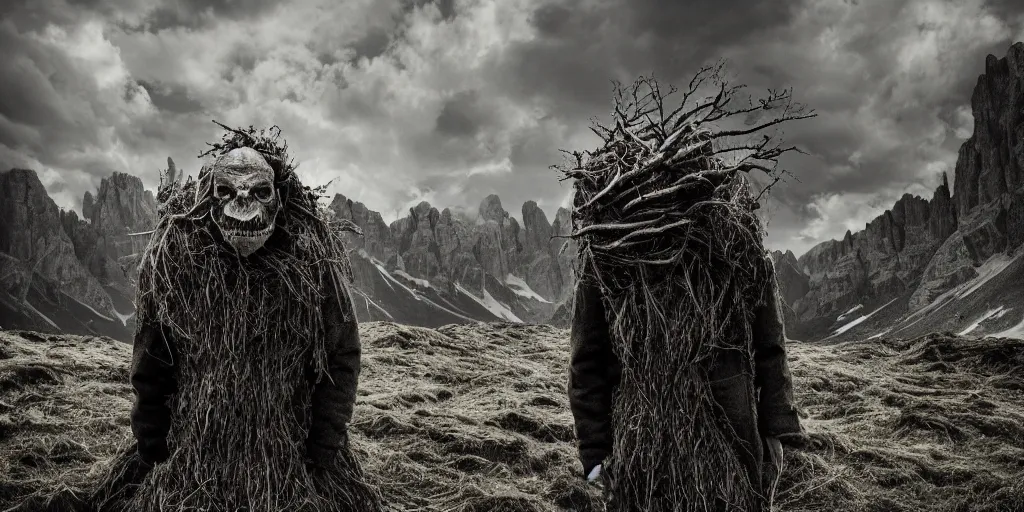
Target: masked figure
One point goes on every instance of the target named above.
(678, 383)
(247, 353)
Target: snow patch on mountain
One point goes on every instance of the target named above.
(90, 308)
(852, 310)
(991, 268)
(879, 335)
(988, 270)
(388, 279)
(419, 282)
(369, 302)
(416, 295)
(520, 288)
(123, 317)
(497, 308)
(859, 320)
(1016, 332)
(40, 313)
(992, 313)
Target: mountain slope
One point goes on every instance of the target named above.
(77, 275)
(44, 285)
(986, 305)
(917, 252)
(457, 266)
(475, 417)
(399, 297)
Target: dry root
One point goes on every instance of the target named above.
(666, 227)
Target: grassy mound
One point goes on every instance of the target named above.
(475, 418)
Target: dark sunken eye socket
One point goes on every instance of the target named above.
(224, 191)
(262, 192)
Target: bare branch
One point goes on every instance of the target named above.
(762, 126)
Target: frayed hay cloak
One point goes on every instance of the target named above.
(245, 372)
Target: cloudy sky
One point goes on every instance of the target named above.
(448, 101)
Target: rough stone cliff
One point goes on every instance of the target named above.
(31, 232)
(106, 241)
(920, 248)
(65, 273)
(884, 260)
(471, 267)
(518, 265)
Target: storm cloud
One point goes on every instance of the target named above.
(394, 102)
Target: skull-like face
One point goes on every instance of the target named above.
(247, 202)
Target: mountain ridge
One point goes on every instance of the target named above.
(451, 265)
(919, 250)
(427, 268)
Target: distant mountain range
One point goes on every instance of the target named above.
(432, 268)
(60, 273)
(949, 263)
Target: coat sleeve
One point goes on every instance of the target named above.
(594, 374)
(334, 395)
(153, 379)
(776, 409)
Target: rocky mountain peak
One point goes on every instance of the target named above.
(562, 225)
(991, 161)
(376, 239)
(422, 208)
(32, 232)
(536, 228)
(449, 250)
(123, 205)
(793, 283)
(490, 209)
(88, 205)
(920, 248)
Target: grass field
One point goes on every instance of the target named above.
(475, 418)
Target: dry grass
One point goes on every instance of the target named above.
(665, 225)
(475, 418)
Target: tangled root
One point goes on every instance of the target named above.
(666, 228)
(251, 339)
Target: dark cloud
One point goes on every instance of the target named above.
(193, 14)
(458, 100)
(445, 7)
(373, 44)
(583, 45)
(241, 59)
(1006, 9)
(39, 94)
(463, 115)
(172, 98)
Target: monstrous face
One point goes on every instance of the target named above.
(247, 202)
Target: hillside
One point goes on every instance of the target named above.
(436, 266)
(924, 251)
(451, 265)
(475, 418)
(63, 274)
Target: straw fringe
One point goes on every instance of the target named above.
(249, 334)
(667, 229)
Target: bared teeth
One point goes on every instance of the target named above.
(249, 233)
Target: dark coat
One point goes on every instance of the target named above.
(595, 373)
(153, 373)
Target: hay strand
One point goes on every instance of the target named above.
(666, 226)
(249, 332)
